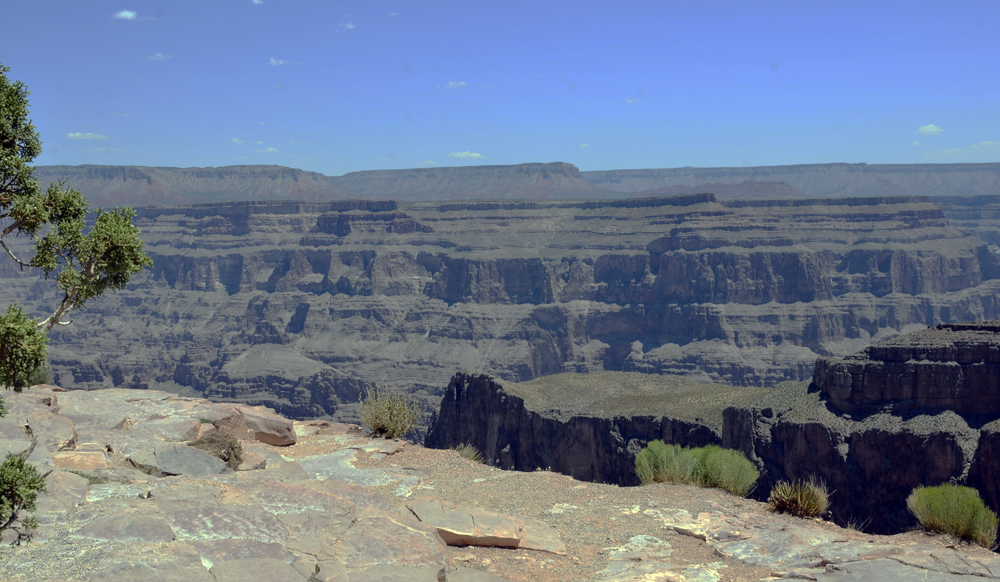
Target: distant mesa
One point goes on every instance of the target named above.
(145, 186)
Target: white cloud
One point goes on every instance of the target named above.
(159, 57)
(585, 145)
(930, 129)
(456, 84)
(238, 140)
(258, 143)
(107, 150)
(916, 144)
(125, 15)
(117, 114)
(257, 1)
(630, 101)
(425, 163)
(347, 26)
(393, 14)
(278, 62)
(88, 135)
(241, 158)
(466, 155)
(267, 151)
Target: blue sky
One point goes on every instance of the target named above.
(336, 87)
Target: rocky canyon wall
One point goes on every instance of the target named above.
(301, 305)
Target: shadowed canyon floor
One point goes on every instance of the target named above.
(326, 503)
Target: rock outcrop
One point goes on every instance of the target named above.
(301, 306)
(917, 410)
(949, 367)
(128, 499)
(872, 426)
(480, 410)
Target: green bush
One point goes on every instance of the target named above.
(388, 413)
(20, 484)
(468, 451)
(956, 510)
(800, 498)
(710, 466)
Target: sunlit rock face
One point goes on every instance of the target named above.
(302, 305)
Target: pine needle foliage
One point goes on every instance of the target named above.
(20, 484)
(956, 510)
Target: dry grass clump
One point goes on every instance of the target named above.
(469, 451)
(222, 446)
(710, 466)
(956, 510)
(388, 413)
(799, 498)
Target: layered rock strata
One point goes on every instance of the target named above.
(303, 305)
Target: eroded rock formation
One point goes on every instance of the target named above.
(909, 419)
(302, 305)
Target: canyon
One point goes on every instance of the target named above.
(916, 410)
(302, 305)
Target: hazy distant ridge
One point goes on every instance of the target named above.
(144, 186)
(819, 180)
(557, 180)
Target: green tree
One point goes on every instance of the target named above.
(84, 262)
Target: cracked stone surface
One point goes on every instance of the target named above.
(308, 513)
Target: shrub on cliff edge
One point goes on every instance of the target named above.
(956, 510)
(388, 413)
(799, 498)
(469, 451)
(710, 466)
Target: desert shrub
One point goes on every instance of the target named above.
(728, 469)
(800, 498)
(710, 466)
(659, 462)
(222, 446)
(469, 451)
(388, 413)
(20, 484)
(956, 510)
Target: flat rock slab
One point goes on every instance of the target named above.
(472, 526)
(800, 550)
(339, 466)
(256, 569)
(180, 459)
(138, 525)
(80, 460)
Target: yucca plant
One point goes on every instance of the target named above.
(800, 498)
